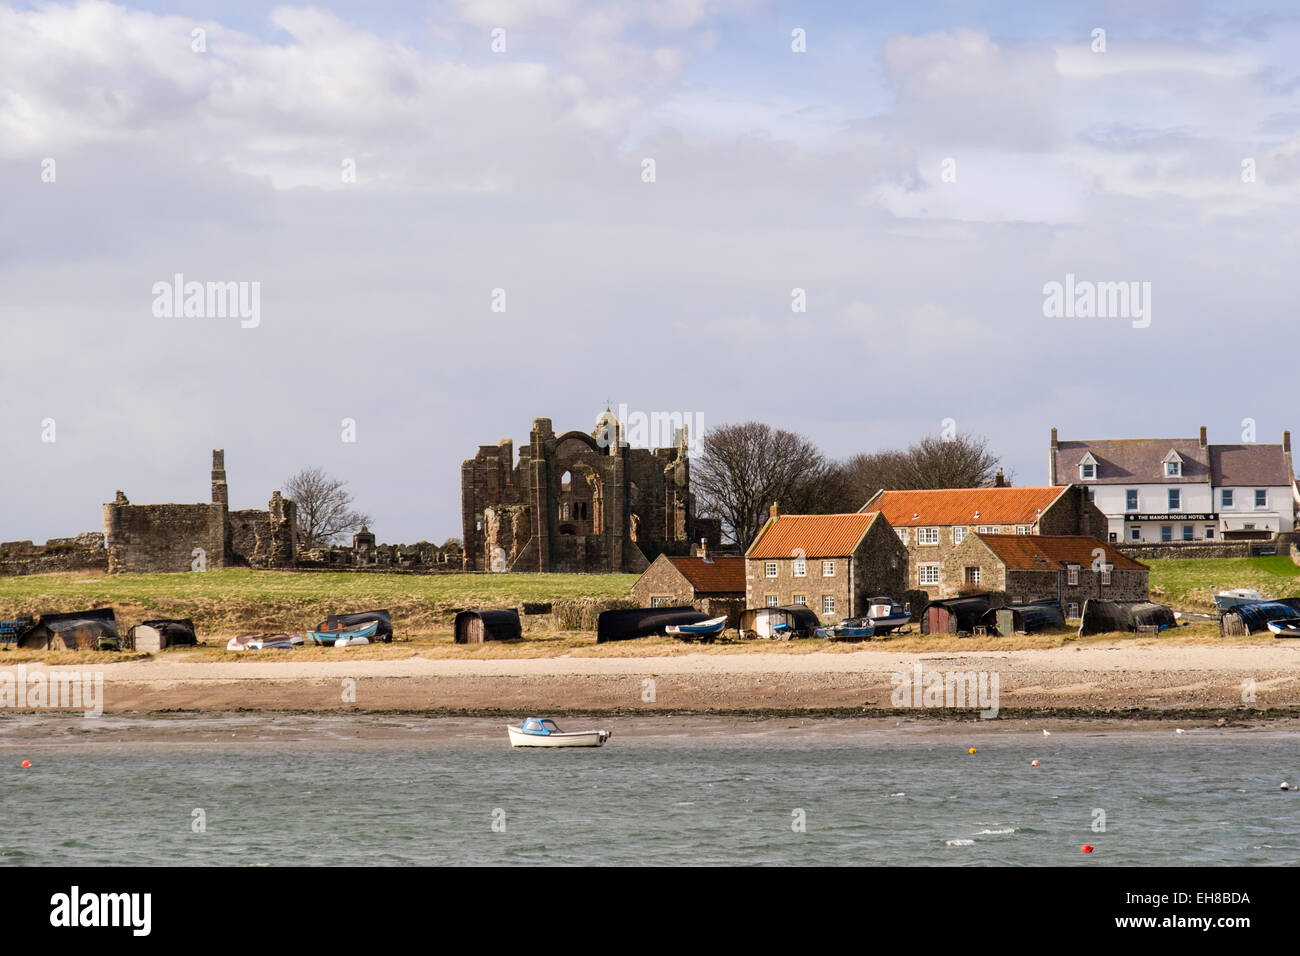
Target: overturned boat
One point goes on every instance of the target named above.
(542, 732)
(348, 635)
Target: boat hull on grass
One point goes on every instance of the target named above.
(704, 631)
(1285, 627)
(328, 638)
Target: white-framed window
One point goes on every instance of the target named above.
(959, 534)
(973, 575)
(1189, 532)
(828, 603)
(661, 601)
(1088, 471)
(828, 569)
(1225, 498)
(772, 600)
(1261, 498)
(1209, 532)
(800, 567)
(1166, 532)
(1130, 499)
(1072, 574)
(1135, 533)
(801, 599)
(1105, 574)
(1173, 469)
(1072, 610)
(927, 573)
(769, 569)
(902, 534)
(927, 535)
(1024, 529)
(1175, 499)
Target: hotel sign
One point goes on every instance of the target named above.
(1176, 516)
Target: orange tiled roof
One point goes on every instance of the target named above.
(948, 506)
(717, 575)
(817, 536)
(1029, 552)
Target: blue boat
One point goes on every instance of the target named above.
(705, 630)
(887, 615)
(851, 629)
(327, 638)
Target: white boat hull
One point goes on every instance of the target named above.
(582, 738)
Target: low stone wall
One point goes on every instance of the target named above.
(54, 563)
(1221, 549)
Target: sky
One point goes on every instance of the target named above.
(387, 182)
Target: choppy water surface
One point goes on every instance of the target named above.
(732, 798)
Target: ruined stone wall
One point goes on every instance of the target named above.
(82, 560)
(158, 538)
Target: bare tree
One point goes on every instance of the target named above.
(744, 469)
(963, 461)
(325, 510)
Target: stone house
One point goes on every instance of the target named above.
(1068, 568)
(835, 564)
(932, 523)
(715, 585)
(578, 502)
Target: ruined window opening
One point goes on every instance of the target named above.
(565, 481)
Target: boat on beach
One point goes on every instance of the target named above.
(263, 642)
(1285, 627)
(886, 615)
(704, 630)
(329, 638)
(1228, 599)
(851, 629)
(346, 641)
(542, 732)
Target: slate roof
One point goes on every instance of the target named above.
(1245, 465)
(1126, 461)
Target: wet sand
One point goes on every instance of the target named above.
(1122, 679)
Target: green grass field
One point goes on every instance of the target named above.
(236, 601)
(1190, 583)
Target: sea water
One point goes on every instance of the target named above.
(448, 792)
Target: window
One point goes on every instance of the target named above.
(828, 569)
(928, 573)
(828, 603)
(1087, 471)
(902, 534)
(801, 599)
(1261, 497)
(661, 601)
(1072, 574)
(1072, 610)
(927, 535)
(1105, 574)
(1024, 529)
(1189, 533)
(1135, 533)
(769, 569)
(1166, 532)
(1092, 492)
(772, 600)
(1131, 499)
(1175, 499)
(1173, 469)
(800, 568)
(959, 534)
(973, 575)
(1209, 532)
(1225, 498)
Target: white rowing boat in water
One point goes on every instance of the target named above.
(542, 732)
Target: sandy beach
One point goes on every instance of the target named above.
(1119, 679)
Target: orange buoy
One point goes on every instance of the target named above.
(26, 763)
(1034, 764)
(971, 751)
(1086, 848)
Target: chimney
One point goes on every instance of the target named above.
(1055, 443)
(1286, 441)
(1204, 437)
(1051, 459)
(774, 511)
(1000, 480)
(704, 549)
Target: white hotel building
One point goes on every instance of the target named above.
(1172, 490)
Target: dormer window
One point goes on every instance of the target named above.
(1088, 468)
(1173, 465)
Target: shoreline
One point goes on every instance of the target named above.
(1131, 682)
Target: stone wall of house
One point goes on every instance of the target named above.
(1074, 513)
(1126, 585)
(810, 589)
(661, 579)
(879, 566)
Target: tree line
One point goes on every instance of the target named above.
(743, 469)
